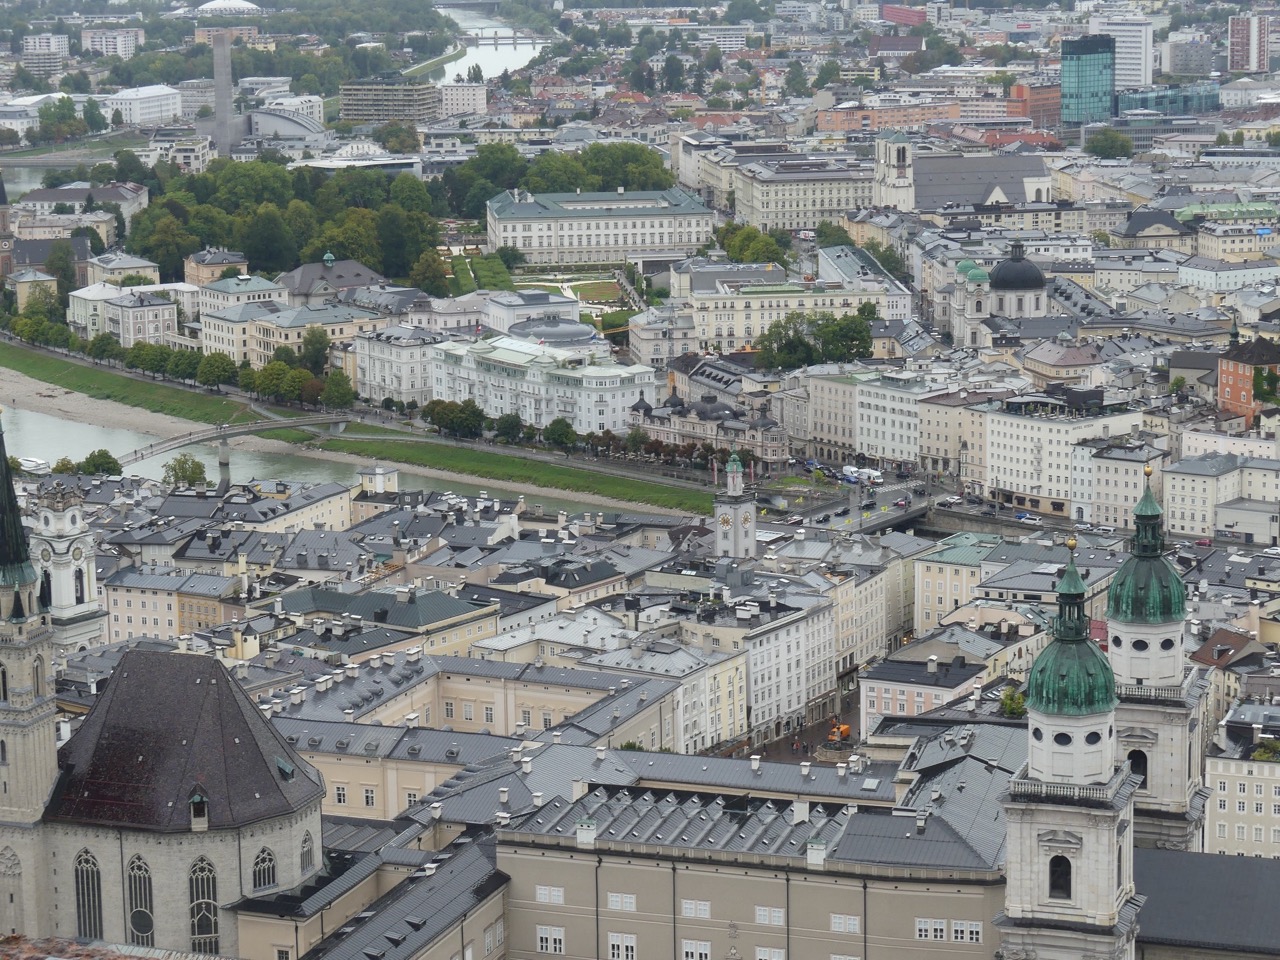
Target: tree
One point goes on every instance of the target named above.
(560, 433)
(429, 274)
(508, 428)
(829, 72)
(294, 384)
(1223, 139)
(64, 465)
(271, 380)
(1100, 238)
(635, 440)
(215, 369)
(286, 355)
(92, 116)
(247, 379)
(796, 82)
(184, 470)
(672, 74)
(830, 235)
(183, 365)
(117, 118)
(168, 244)
(104, 347)
(1109, 144)
(469, 420)
(511, 257)
(315, 350)
(1177, 384)
(60, 263)
(338, 393)
(266, 240)
(1012, 703)
(800, 339)
(100, 461)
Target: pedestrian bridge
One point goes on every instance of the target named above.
(336, 422)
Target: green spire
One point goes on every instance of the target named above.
(1071, 676)
(1147, 588)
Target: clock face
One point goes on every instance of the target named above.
(46, 555)
(726, 521)
(77, 554)
(746, 519)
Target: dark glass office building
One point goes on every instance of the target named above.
(1088, 79)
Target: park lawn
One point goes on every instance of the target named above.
(462, 280)
(505, 469)
(103, 384)
(287, 434)
(544, 287)
(597, 291)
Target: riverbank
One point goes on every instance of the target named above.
(19, 390)
(457, 53)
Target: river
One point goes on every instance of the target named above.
(491, 59)
(28, 433)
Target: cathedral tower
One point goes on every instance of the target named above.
(28, 750)
(894, 184)
(63, 553)
(1069, 851)
(1162, 700)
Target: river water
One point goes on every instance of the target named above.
(28, 433)
(491, 59)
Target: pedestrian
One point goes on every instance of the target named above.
(806, 749)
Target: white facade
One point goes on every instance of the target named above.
(393, 362)
(505, 375)
(311, 107)
(790, 663)
(1135, 51)
(504, 309)
(45, 53)
(797, 194)
(145, 106)
(140, 318)
(599, 227)
(463, 98)
(121, 42)
(85, 308)
(233, 291)
(1243, 817)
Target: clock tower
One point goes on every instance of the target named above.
(62, 549)
(735, 515)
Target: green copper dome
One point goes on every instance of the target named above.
(1071, 676)
(1147, 588)
(978, 275)
(964, 266)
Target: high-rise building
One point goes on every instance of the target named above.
(1135, 50)
(1088, 79)
(1248, 44)
(390, 98)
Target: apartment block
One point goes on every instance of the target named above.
(122, 42)
(384, 99)
(44, 54)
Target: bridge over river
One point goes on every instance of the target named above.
(336, 422)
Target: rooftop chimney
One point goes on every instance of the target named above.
(503, 793)
(755, 762)
(599, 753)
(586, 833)
(842, 769)
(815, 854)
(804, 769)
(932, 665)
(437, 810)
(526, 765)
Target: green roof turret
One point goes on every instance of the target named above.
(1147, 588)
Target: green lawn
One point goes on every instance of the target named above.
(103, 384)
(505, 469)
(544, 287)
(462, 280)
(597, 291)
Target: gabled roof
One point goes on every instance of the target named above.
(171, 725)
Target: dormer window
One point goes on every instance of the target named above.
(199, 810)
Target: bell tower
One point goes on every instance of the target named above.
(894, 184)
(28, 748)
(1162, 700)
(63, 553)
(1069, 850)
(734, 510)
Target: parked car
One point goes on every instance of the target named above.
(1034, 521)
(794, 519)
(1204, 543)
(989, 512)
(844, 511)
(903, 475)
(975, 500)
(952, 502)
(1272, 552)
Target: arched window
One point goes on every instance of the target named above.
(142, 924)
(204, 907)
(79, 585)
(264, 869)
(308, 852)
(4, 683)
(4, 752)
(1138, 766)
(37, 676)
(88, 897)
(1059, 878)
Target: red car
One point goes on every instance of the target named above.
(1204, 543)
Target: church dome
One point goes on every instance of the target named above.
(964, 266)
(1017, 273)
(1147, 588)
(978, 275)
(1071, 676)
